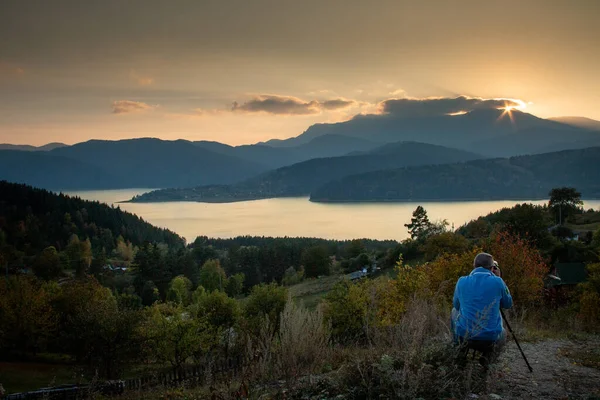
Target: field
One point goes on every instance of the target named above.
(23, 376)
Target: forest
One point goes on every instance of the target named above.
(113, 296)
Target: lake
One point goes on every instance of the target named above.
(296, 216)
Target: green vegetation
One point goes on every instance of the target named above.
(384, 335)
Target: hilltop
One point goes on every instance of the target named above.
(523, 177)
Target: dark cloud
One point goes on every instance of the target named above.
(280, 105)
(288, 105)
(440, 106)
(128, 106)
(337, 104)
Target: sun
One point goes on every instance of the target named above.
(509, 106)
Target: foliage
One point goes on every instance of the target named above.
(48, 264)
(447, 242)
(174, 334)
(26, 318)
(523, 268)
(212, 276)
(292, 277)
(34, 219)
(265, 301)
(180, 290)
(80, 254)
(217, 309)
(419, 224)
(589, 298)
(316, 261)
(345, 310)
(235, 285)
(564, 202)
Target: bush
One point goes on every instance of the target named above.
(589, 299)
(292, 277)
(265, 301)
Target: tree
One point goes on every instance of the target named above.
(444, 243)
(265, 301)
(564, 201)
(26, 317)
(80, 254)
(150, 294)
(419, 224)
(180, 290)
(316, 261)
(124, 251)
(235, 285)
(48, 265)
(212, 276)
(174, 334)
(355, 248)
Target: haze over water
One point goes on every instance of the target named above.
(296, 216)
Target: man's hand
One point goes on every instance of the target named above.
(496, 270)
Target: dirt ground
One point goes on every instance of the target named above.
(558, 372)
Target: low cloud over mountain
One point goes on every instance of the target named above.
(412, 107)
(289, 105)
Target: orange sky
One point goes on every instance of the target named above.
(72, 70)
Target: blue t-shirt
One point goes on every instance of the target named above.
(478, 298)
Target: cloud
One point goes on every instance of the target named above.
(279, 105)
(128, 107)
(141, 80)
(411, 107)
(197, 113)
(337, 104)
(289, 105)
(8, 69)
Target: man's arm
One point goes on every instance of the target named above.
(506, 301)
(456, 301)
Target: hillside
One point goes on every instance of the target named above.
(42, 169)
(33, 219)
(300, 179)
(524, 177)
(276, 157)
(26, 147)
(477, 131)
(160, 163)
(581, 122)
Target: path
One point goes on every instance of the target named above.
(555, 376)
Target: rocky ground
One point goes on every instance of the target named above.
(562, 369)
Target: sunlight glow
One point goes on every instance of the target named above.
(458, 113)
(509, 107)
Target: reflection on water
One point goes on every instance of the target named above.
(296, 216)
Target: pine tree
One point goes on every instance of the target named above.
(419, 224)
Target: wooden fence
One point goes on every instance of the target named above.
(196, 374)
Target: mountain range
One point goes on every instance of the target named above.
(522, 177)
(297, 165)
(302, 178)
(491, 132)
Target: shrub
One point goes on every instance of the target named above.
(265, 301)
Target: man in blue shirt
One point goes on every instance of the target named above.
(476, 318)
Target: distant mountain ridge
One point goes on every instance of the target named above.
(301, 178)
(26, 147)
(155, 163)
(522, 177)
(479, 131)
(580, 122)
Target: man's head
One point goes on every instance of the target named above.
(483, 260)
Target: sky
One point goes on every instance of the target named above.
(239, 71)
